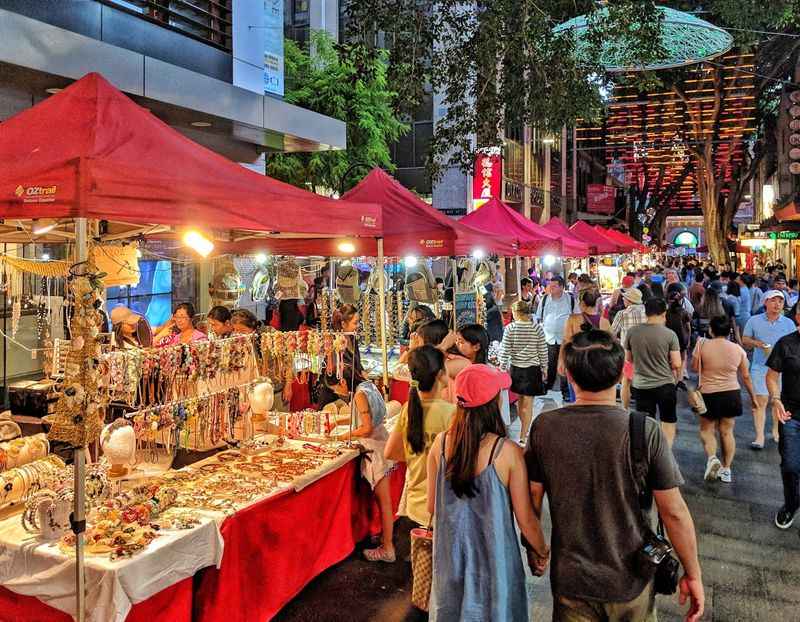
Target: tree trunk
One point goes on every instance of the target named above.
(716, 232)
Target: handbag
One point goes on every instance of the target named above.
(421, 566)
(655, 557)
(694, 396)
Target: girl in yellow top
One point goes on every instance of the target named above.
(423, 417)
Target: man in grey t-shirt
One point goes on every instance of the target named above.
(655, 353)
(580, 456)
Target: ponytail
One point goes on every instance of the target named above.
(425, 363)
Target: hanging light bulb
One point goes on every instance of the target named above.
(261, 258)
(478, 254)
(410, 261)
(347, 247)
(198, 242)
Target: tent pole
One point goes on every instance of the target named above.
(519, 277)
(455, 291)
(79, 464)
(382, 311)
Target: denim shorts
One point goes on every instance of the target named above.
(758, 374)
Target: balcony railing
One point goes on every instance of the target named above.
(206, 20)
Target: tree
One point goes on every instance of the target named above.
(348, 82)
(722, 171)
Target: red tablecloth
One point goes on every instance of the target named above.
(272, 550)
(174, 604)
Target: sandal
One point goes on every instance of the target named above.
(756, 446)
(379, 555)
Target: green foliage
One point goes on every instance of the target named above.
(348, 82)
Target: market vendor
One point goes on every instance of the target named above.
(243, 322)
(219, 322)
(125, 324)
(180, 328)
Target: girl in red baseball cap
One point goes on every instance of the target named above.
(477, 485)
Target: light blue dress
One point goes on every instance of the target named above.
(477, 564)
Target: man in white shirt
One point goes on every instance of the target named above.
(554, 309)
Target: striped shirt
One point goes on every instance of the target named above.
(626, 319)
(524, 345)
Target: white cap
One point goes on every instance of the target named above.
(773, 293)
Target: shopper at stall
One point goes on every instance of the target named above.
(654, 352)
(219, 322)
(761, 333)
(180, 328)
(124, 325)
(554, 309)
(243, 322)
(422, 418)
(472, 342)
(524, 353)
(717, 361)
(372, 435)
(494, 316)
(581, 456)
(477, 486)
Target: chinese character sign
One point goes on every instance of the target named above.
(273, 47)
(488, 177)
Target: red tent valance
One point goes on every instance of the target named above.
(90, 151)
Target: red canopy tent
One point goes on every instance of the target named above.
(532, 239)
(623, 238)
(557, 226)
(91, 152)
(598, 243)
(412, 227)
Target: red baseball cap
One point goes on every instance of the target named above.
(477, 385)
(627, 281)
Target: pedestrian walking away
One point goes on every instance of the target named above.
(477, 487)
(598, 531)
(654, 351)
(784, 361)
(717, 361)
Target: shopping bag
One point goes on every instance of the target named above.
(421, 566)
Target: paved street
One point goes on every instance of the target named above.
(751, 569)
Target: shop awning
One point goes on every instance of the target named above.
(496, 217)
(598, 243)
(90, 151)
(412, 227)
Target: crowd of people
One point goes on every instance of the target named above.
(600, 358)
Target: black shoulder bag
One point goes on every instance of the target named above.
(655, 557)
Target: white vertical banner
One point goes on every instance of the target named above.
(273, 47)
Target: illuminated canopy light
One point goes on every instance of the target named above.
(548, 260)
(687, 40)
(198, 243)
(261, 258)
(478, 253)
(410, 261)
(40, 227)
(347, 247)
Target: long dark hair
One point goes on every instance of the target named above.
(290, 315)
(468, 428)
(343, 315)
(424, 363)
(477, 336)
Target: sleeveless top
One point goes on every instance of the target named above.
(377, 407)
(593, 319)
(477, 564)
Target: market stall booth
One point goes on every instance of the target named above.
(88, 166)
(598, 243)
(622, 239)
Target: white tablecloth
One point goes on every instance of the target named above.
(34, 568)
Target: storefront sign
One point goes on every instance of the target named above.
(486, 182)
(600, 199)
(36, 194)
(784, 235)
(273, 47)
(513, 191)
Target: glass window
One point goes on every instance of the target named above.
(423, 134)
(152, 297)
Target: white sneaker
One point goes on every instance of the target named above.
(712, 468)
(725, 475)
